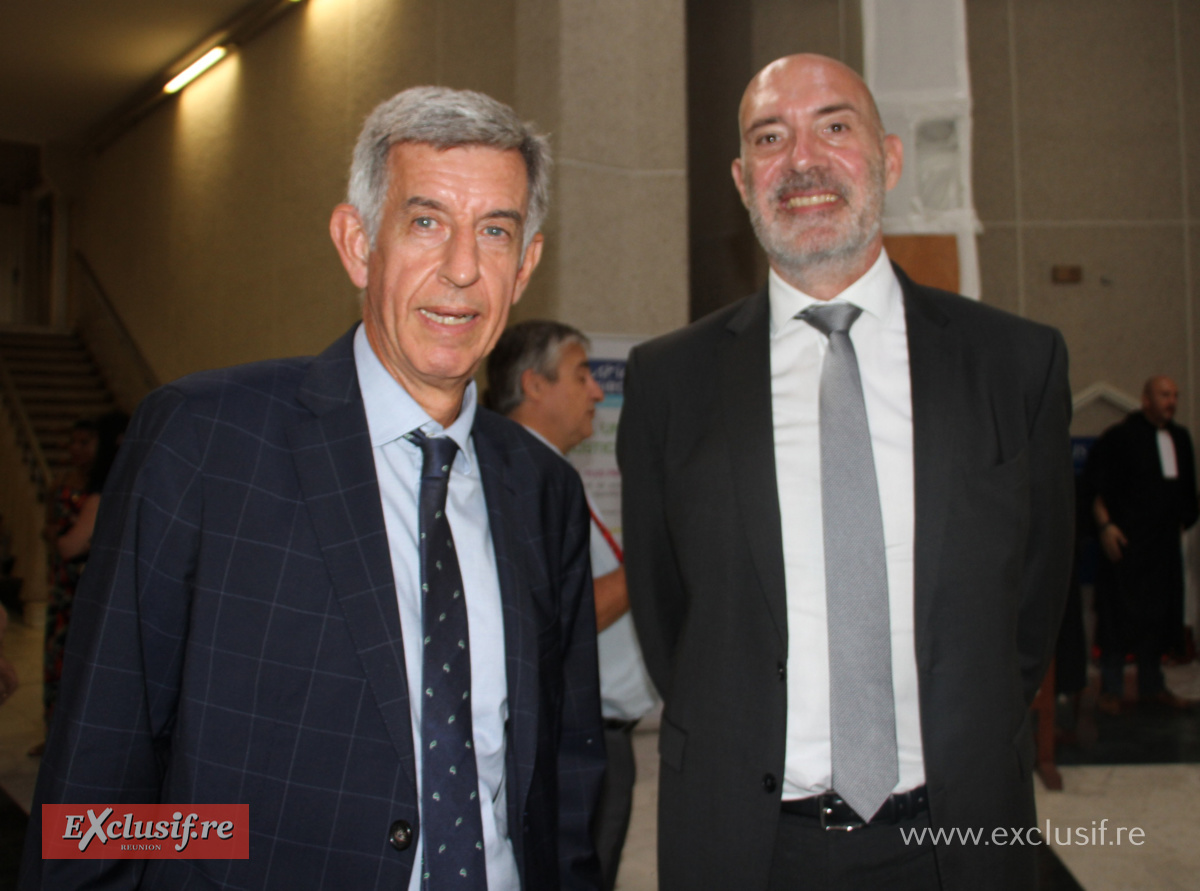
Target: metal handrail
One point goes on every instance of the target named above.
(149, 378)
(33, 448)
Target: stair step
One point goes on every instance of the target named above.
(29, 339)
(68, 418)
(53, 388)
(45, 363)
(58, 383)
(40, 357)
(45, 347)
(40, 383)
(71, 409)
(68, 411)
(58, 433)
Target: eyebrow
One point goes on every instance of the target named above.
(835, 109)
(763, 122)
(434, 204)
(820, 113)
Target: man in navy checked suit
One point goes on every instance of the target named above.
(248, 629)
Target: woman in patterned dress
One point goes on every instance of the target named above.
(62, 510)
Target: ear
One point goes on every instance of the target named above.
(531, 385)
(893, 159)
(350, 238)
(736, 167)
(533, 256)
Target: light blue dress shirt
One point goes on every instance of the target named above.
(391, 413)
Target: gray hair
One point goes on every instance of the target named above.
(444, 118)
(537, 345)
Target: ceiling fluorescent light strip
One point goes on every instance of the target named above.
(234, 33)
(197, 68)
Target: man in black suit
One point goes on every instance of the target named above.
(284, 547)
(842, 673)
(1143, 471)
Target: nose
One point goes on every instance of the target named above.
(460, 263)
(594, 392)
(805, 149)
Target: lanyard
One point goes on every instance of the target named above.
(608, 536)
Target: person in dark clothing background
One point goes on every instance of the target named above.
(1144, 475)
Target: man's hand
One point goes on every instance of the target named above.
(1112, 539)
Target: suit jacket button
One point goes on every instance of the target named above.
(769, 782)
(782, 671)
(400, 835)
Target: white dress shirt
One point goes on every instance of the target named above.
(391, 413)
(880, 341)
(1166, 455)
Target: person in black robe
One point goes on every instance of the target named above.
(1144, 476)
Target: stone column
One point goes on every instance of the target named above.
(608, 81)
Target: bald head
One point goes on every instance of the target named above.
(1160, 398)
(813, 170)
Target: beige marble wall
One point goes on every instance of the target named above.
(607, 79)
(1087, 152)
(207, 223)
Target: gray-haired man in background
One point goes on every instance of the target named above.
(539, 376)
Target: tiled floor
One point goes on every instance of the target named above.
(639, 870)
(1090, 824)
(1161, 797)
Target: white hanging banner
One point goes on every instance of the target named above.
(915, 59)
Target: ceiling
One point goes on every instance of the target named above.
(66, 65)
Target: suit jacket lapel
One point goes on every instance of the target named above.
(745, 360)
(332, 453)
(934, 366)
(520, 630)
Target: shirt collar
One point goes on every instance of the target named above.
(392, 412)
(874, 292)
(548, 443)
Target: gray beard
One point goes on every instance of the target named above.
(844, 249)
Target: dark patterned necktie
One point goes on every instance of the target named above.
(862, 704)
(452, 828)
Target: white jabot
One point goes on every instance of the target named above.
(1166, 455)
(391, 413)
(797, 352)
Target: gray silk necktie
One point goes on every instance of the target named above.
(862, 703)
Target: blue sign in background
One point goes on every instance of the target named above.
(610, 375)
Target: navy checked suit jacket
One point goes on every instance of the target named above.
(236, 639)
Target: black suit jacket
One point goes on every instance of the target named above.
(705, 568)
(236, 639)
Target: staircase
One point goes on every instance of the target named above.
(57, 383)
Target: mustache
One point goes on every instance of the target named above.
(813, 178)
